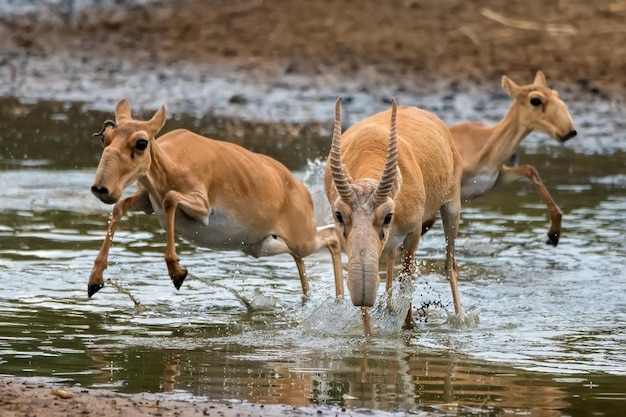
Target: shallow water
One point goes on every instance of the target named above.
(544, 336)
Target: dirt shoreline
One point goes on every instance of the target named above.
(20, 397)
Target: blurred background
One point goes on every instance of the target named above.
(251, 57)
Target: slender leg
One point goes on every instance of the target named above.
(327, 236)
(304, 280)
(407, 273)
(195, 206)
(450, 213)
(408, 269)
(335, 253)
(410, 244)
(137, 200)
(391, 257)
(510, 174)
(324, 237)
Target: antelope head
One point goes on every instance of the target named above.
(127, 151)
(363, 212)
(541, 108)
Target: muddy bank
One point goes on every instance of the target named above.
(284, 61)
(37, 396)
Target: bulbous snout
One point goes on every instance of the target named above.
(112, 176)
(363, 282)
(103, 194)
(363, 247)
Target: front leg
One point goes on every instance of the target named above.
(194, 205)
(409, 246)
(411, 241)
(139, 200)
(510, 174)
(326, 236)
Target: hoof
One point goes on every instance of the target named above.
(553, 238)
(93, 288)
(408, 321)
(179, 281)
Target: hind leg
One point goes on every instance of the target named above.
(450, 214)
(509, 174)
(304, 279)
(276, 245)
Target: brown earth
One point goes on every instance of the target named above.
(573, 41)
(31, 397)
(579, 43)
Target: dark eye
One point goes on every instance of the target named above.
(535, 101)
(388, 218)
(339, 217)
(141, 144)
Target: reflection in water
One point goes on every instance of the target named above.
(547, 336)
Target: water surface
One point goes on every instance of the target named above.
(545, 334)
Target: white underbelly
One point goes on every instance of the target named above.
(477, 185)
(221, 232)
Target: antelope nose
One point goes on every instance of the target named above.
(98, 191)
(101, 192)
(570, 135)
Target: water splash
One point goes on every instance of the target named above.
(254, 300)
(314, 180)
(389, 312)
(330, 316)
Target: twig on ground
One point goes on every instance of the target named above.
(121, 290)
(528, 25)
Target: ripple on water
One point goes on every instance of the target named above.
(530, 307)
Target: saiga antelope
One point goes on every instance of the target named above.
(485, 149)
(214, 194)
(382, 182)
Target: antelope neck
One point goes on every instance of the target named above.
(503, 140)
(157, 179)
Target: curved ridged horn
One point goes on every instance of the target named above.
(391, 164)
(336, 169)
(106, 124)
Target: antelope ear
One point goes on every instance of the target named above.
(509, 86)
(540, 79)
(397, 183)
(347, 173)
(157, 122)
(122, 111)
